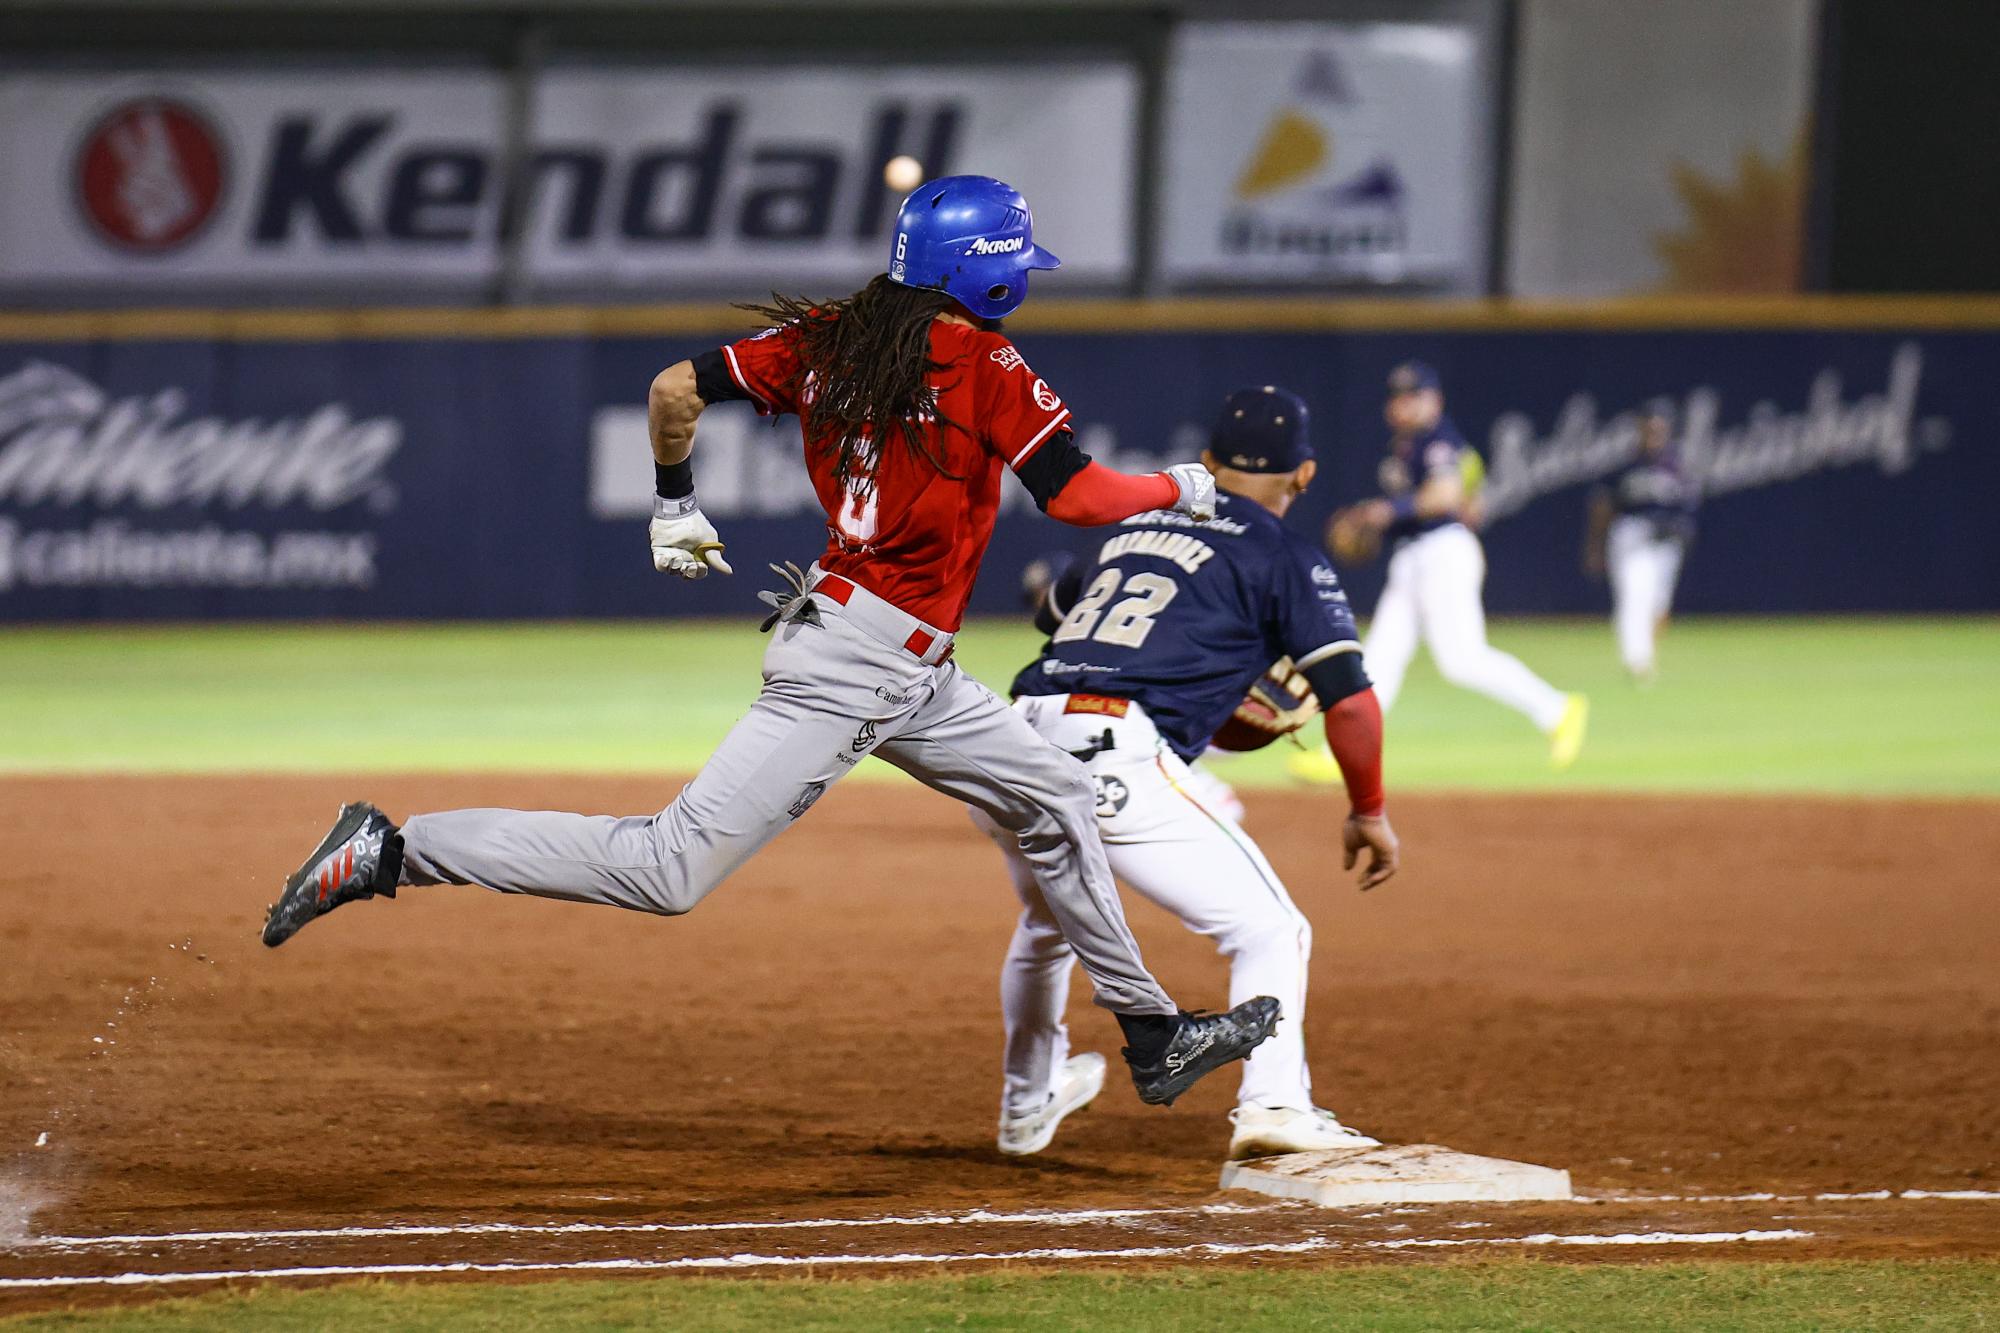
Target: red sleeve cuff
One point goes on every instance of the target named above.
(1354, 734)
(736, 372)
(1097, 495)
(1027, 451)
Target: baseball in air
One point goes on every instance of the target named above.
(903, 173)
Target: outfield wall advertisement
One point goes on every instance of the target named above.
(1325, 152)
(676, 179)
(510, 476)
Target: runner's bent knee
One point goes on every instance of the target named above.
(1038, 939)
(1262, 932)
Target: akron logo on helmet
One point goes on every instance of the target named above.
(1006, 245)
(150, 175)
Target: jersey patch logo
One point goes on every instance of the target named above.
(864, 737)
(1045, 397)
(813, 791)
(1008, 358)
(1006, 245)
(1097, 703)
(1111, 796)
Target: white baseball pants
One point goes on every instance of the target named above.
(1434, 591)
(833, 694)
(1644, 568)
(1177, 850)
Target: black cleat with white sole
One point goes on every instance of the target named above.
(361, 856)
(1198, 1045)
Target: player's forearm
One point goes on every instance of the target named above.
(1097, 495)
(1354, 734)
(1595, 531)
(672, 408)
(1438, 497)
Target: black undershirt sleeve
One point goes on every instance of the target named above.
(713, 381)
(1051, 467)
(1335, 678)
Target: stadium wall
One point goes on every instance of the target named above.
(187, 464)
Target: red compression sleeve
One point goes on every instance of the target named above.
(1354, 734)
(1098, 495)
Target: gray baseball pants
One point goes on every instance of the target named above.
(834, 692)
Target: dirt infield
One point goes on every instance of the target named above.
(1671, 998)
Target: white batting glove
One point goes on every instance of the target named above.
(684, 541)
(1197, 485)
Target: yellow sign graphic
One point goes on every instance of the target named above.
(1293, 148)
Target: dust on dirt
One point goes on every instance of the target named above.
(1664, 995)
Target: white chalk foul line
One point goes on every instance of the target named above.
(748, 1261)
(1857, 1196)
(1622, 1238)
(976, 1217)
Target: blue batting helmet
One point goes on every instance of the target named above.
(970, 236)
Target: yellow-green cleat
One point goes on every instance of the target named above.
(1566, 741)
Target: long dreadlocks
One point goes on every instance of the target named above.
(868, 359)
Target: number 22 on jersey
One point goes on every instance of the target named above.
(1127, 623)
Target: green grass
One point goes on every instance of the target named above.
(1751, 1298)
(1864, 706)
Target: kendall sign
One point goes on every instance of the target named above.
(674, 181)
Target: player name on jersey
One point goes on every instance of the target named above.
(1187, 552)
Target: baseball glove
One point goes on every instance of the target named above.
(1277, 705)
(1352, 541)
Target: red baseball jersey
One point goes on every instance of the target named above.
(916, 538)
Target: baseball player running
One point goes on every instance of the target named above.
(1429, 506)
(1641, 523)
(911, 404)
(1151, 647)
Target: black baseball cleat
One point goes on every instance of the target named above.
(1197, 1045)
(360, 857)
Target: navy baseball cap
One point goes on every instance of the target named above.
(1261, 430)
(1413, 377)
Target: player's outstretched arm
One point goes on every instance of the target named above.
(672, 408)
(684, 542)
(1440, 495)
(1070, 488)
(1597, 528)
(1354, 734)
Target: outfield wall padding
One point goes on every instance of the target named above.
(293, 472)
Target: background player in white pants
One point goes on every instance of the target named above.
(1152, 645)
(911, 404)
(1437, 571)
(1641, 522)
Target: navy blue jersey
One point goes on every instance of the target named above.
(1655, 489)
(1183, 617)
(1416, 459)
